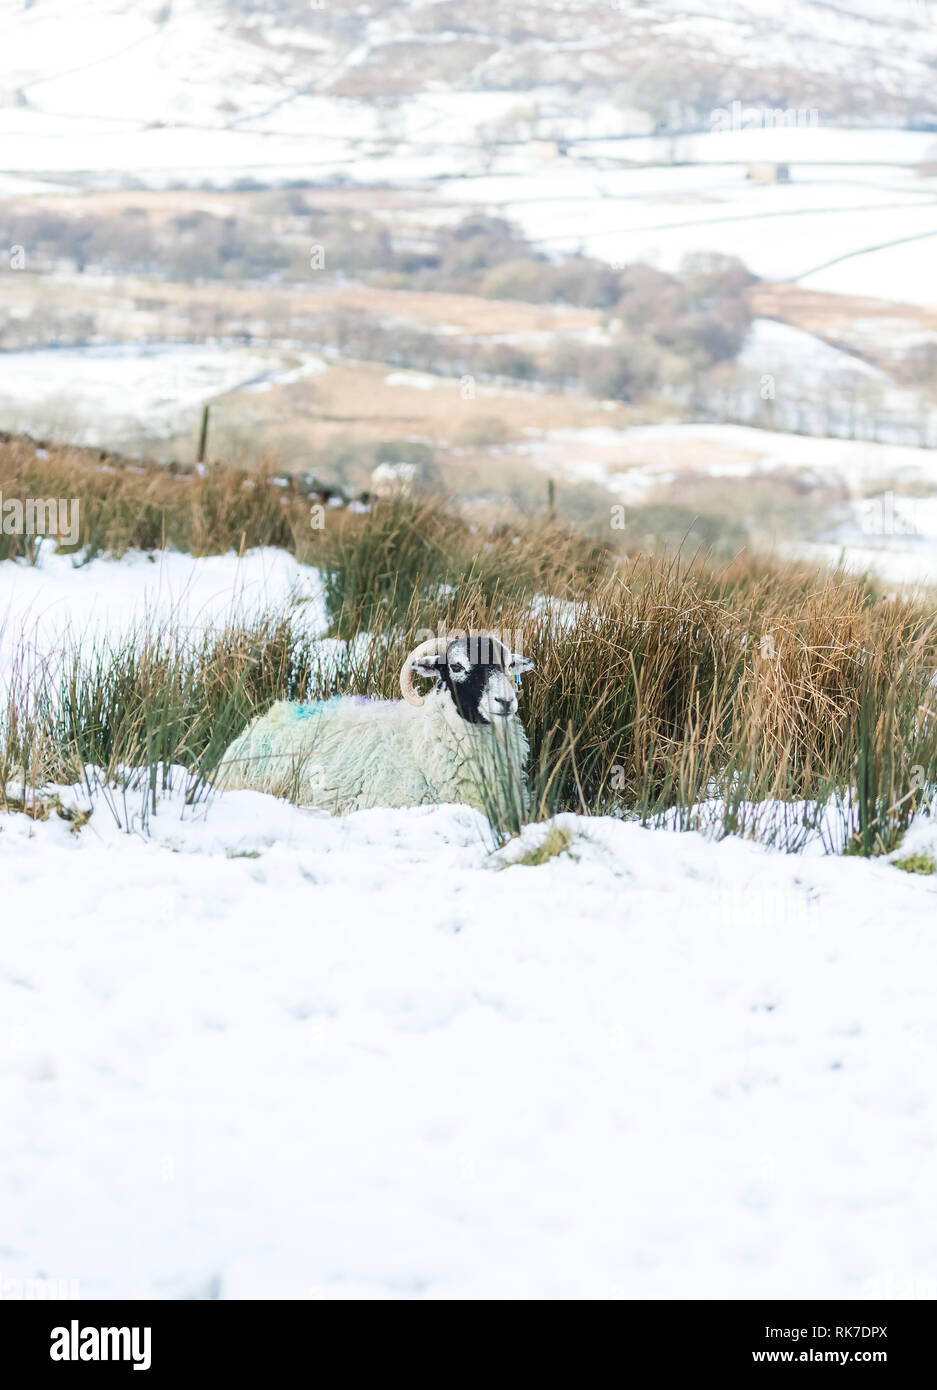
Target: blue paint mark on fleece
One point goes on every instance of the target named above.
(301, 712)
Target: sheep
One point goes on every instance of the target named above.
(462, 743)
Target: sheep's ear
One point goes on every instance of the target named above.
(518, 663)
(427, 665)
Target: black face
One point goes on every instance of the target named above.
(466, 688)
(477, 675)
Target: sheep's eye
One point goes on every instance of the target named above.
(455, 668)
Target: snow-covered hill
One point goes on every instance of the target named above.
(544, 114)
(315, 79)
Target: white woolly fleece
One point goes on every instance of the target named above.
(350, 755)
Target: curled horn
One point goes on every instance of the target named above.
(434, 647)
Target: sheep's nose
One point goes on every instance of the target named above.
(506, 705)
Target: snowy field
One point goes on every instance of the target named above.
(260, 1052)
(733, 450)
(888, 531)
(633, 462)
(55, 605)
(849, 227)
(169, 95)
(127, 392)
(251, 1051)
(283, 1055)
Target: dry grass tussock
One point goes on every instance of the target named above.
(662, 683)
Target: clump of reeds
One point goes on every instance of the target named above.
(751, 697)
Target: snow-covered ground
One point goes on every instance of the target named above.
(634, 460)
(853, 461)
(111, 91)
(896, 559)
(800, 382)
(801, 364)
(781, 231)
(53, 606)
(121, 393)
(889, 530)
(222, 70)
(266, 1053)
(893, 535)
(249, 1050)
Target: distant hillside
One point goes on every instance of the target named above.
(518, 70)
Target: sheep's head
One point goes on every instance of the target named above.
(476, 672)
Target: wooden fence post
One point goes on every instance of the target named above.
(203, 436)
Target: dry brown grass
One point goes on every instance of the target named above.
(351, 409)
(661, 683)
(160, 308)
(145, 506)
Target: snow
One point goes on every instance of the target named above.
(313, 366)
(821, 390)
(781, 231)
(420, 381)
(631, 462)
(894, 560)
(741, 449)
(812, 143)
(890, 535)
(370, 1062)
(207, 96)
(128, 391)
(112, 61)
(803, 361)
(52, 605)
(901, 272)
(248, 1050)
(892, 531)
(280, 1054)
